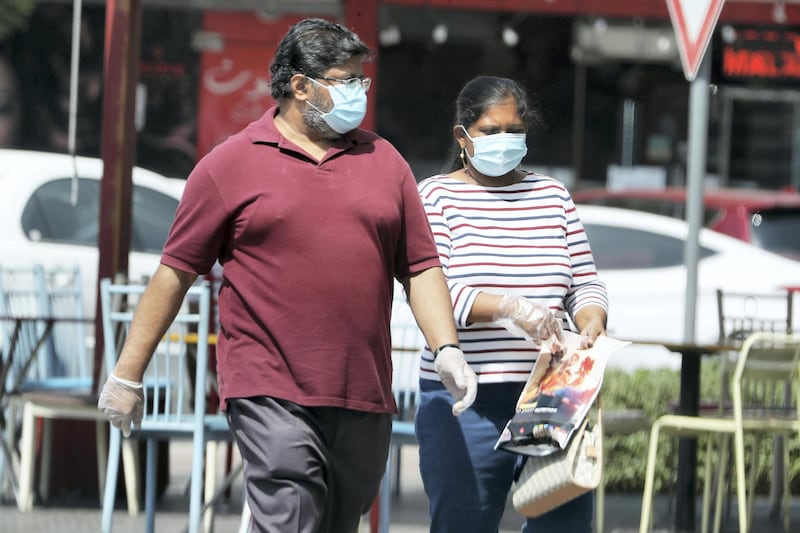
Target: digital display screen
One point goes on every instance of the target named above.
(760, 53)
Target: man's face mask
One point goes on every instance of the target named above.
(349, 104)
(497, 154)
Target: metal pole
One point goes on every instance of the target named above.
(74, 73)
(690, 364)
(696, 172)
(121, 74)
(578, 123)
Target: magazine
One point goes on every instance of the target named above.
(559, 392)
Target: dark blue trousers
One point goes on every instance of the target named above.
(466, 480)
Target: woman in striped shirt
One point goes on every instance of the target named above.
(516, 256)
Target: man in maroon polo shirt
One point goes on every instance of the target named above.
(310, 218)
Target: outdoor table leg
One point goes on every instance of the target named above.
(687, 447)
(7, 441)
(8, 445)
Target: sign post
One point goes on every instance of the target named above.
(694, 22)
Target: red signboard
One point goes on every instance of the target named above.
(693, 21)
(761, 53)
(234, 75)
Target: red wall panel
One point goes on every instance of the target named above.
(234, 81)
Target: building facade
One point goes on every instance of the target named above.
(604, 74)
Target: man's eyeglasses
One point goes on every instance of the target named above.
(364, 82)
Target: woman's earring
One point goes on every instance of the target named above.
(463, 158)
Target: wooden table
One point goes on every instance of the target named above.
(688, 404)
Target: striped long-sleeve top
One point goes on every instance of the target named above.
(525, 239)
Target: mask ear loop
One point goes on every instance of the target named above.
(462, 155)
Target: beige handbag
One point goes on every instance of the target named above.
(551, 480)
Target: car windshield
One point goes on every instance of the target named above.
(776, 230)
(618, 248)
(51, 215)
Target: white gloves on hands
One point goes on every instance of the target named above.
(122, 403)
(527, 319)
(457, 376)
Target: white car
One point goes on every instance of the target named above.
(640, 258)
(40, 223)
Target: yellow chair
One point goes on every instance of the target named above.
(739, 314)
(768, 363)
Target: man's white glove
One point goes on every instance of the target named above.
(122, 403)
(527, 319)
(457, 376)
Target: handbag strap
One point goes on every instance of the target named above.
(599, 422)
(596, 449)
(595, 411)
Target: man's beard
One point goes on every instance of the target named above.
(312, 118)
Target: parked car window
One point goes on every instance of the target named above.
(50, 215)
(776, 230)
(619, 248)
(153, 214)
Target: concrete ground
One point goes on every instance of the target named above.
(408, 511)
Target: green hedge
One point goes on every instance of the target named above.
(656, 393)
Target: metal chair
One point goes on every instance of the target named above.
(174, 408)
(739, 314)
(21, 294)
(51, 376)
(767, 361)
(66, 391)
(407, 341)
(53, 294)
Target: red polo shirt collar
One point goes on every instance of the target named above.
(264, 131)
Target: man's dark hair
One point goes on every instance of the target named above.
(311, 47)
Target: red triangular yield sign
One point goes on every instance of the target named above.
(693, 21)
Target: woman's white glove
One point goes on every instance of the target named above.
(122, 403)
(527, 319)
(458, 378)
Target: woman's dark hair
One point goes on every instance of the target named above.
(478, 95)
(311, 47)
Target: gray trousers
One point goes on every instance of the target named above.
(308, 469)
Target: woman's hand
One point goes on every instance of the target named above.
(591, 321)
(528, 319)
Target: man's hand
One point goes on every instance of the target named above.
(527, 319)
(457, 376)
(122, 403)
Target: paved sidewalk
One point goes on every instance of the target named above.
(409, 510)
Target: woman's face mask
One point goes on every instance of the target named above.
(497, 154)
(349, 106)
